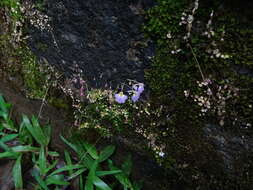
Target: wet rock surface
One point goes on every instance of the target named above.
(235, 150)
(102, 38)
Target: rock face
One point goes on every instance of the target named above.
(103, 38)
(235, 150)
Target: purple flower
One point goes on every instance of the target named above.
(82, 91)
(139, 87)
(135, 97)
(120, 98)
(137, 90)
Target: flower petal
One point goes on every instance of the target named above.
(135, 97)
(120, 98)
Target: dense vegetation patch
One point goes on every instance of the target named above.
(196, 75)
(29, 142)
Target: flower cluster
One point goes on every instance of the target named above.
(188, 20)
(36, 18)
(135, 93)
(209, 29)
(214, 97)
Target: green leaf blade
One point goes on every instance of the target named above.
(91, 150)
(17, 174)
(106, 153)
(101, 185)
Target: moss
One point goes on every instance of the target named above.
(35, 76)
(58, 103)
(41, 47)
(171, 74)
(17, 59)
(179, 124)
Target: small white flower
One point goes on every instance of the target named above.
(161, 154)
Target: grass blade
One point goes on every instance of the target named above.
(73, 146)
(101, 185)
(56, 180)
(127, 165)
(91, 150)
(51, 166)
(66, 168)
(77, 173)
(4, 146)
(81, 185)
(17, 174)
(35, 130)
(91, 176)
(39, 180)
(68, 161)
(39, 132)
(9, 137)
(3, 105)
(106, 153)
(12, 155)
(121, 177)
(53, 154)
(42, 161)
(103, 173)
(26, 148)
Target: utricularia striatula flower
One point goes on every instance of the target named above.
(135, 93)
(120, 98)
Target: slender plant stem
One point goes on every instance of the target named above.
(43, 102)
(198, 65)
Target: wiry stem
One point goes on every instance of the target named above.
(43, 102)
(198, 65)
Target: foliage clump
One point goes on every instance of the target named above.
(31, 142)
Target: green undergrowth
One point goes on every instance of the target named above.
(92, 168)
(14, 8)
(97, 111)
(20, 61)
(16, 57)
(102, 114)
